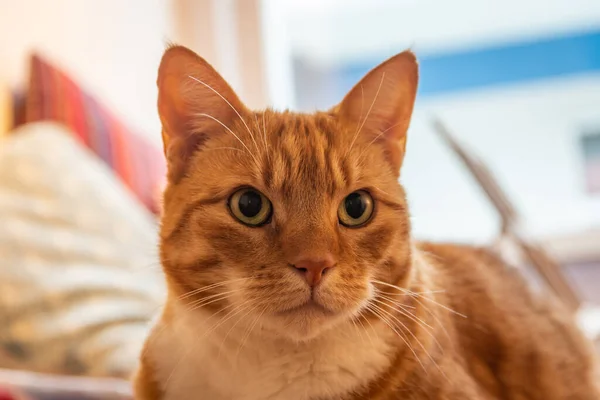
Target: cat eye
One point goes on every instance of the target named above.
(250, 207)
(356, 209)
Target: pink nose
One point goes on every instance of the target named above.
(313, 268)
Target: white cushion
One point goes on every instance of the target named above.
(79, 276)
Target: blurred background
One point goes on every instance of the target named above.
(516, 83)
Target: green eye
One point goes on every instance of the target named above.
(250, 207)
(356, 209)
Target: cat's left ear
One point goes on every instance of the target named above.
(381, 104)
(194, 104)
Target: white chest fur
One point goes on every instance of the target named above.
(229, 363)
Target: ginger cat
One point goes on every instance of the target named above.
(287, 250)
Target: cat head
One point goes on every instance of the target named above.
(290, 220)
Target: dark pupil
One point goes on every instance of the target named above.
(250, 204)
(355, 206)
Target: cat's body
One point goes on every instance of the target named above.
(319, 292)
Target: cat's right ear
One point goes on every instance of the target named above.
(381, 104)
(193, 102)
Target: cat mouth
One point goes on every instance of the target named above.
(310, 307)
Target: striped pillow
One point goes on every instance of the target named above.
(54, 96)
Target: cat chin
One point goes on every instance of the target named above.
(304, 324)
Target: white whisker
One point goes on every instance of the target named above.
(358, 127)
(224, 148)
(413, 318)
(443, 306)
(435, 318)
(265, 135)
(426, 327)
(410, 293)
(402, 325)
(414, 337)
(230, 131)
(249, 310)
(357, 329)
(375, 139)
(393, 328)
(263, 131)
(203, 304)
(196, 304)
(415, 294)
(228, 103)
(208, 287)
(249, 331)
(370, 325)
(368, 113)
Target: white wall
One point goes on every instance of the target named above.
(227, 33)
(113, 47)
(529, 135)
(335, 31)
(327, 33)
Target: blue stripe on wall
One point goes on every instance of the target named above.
(522, 62)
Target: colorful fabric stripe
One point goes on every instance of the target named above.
(54, 96)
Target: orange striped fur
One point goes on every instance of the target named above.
(389, 318)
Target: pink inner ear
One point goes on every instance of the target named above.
(172, 109)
